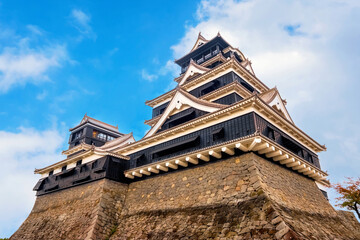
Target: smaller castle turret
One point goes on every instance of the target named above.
(93, 132)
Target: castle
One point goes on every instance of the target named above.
(223, 160)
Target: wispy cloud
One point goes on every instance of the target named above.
(35, 29)
(81, 21)
(42, 95)
(147, 76)
(23, 64)
(21, 152)
(170, 68)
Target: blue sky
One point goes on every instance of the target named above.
(60, 60)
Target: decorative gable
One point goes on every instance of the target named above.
(193, 68)
(200, 41)
(274, 100)
(178, 102)
(247, 65)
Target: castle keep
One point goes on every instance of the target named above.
(223, 159)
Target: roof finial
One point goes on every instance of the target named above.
(218, 34)
(200, 36)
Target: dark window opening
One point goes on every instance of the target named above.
(287, 143)
(179, 120)
(214, 64)
(218, 134)
(51, 173)
(94, 164)
(77, 135)
(311, 160)
(177, 147)
(83, 168)
(78, 162)
(270, 133)
(213, 86)
(63, 168)
(76, 143)
(300, 153)
(140, 160)
(244, 83)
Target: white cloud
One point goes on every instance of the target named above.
(21, 152)
(81, 17)
(81, 21)
(35, 29)
(170, 68)
(42, 95)
(147, 76)
(21, 64)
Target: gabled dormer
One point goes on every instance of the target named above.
(181, 102)
(193, 69)
(199, 42)
(274, 100)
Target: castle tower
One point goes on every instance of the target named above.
(222, 159)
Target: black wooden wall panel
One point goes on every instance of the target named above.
(229, 99)
(264, 127)
(234, 128)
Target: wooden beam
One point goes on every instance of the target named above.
(203, 157)
(214, 154)
(162, 168)
(304, 169)
(228, 150)
(313, 173)
(242, 147)
(142, 171)
(274, 154)
(288, 160)
(261, 147)
(129, 176)
(181, 163)
(282, 157)
(254, 143)
(170, 165)
(293, 164)
(153, 170)
(191, 160)
(136, 174)
(319, 176)
(266, 150)
(302, 166)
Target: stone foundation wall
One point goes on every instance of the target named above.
(244, 197)
(88, 211)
